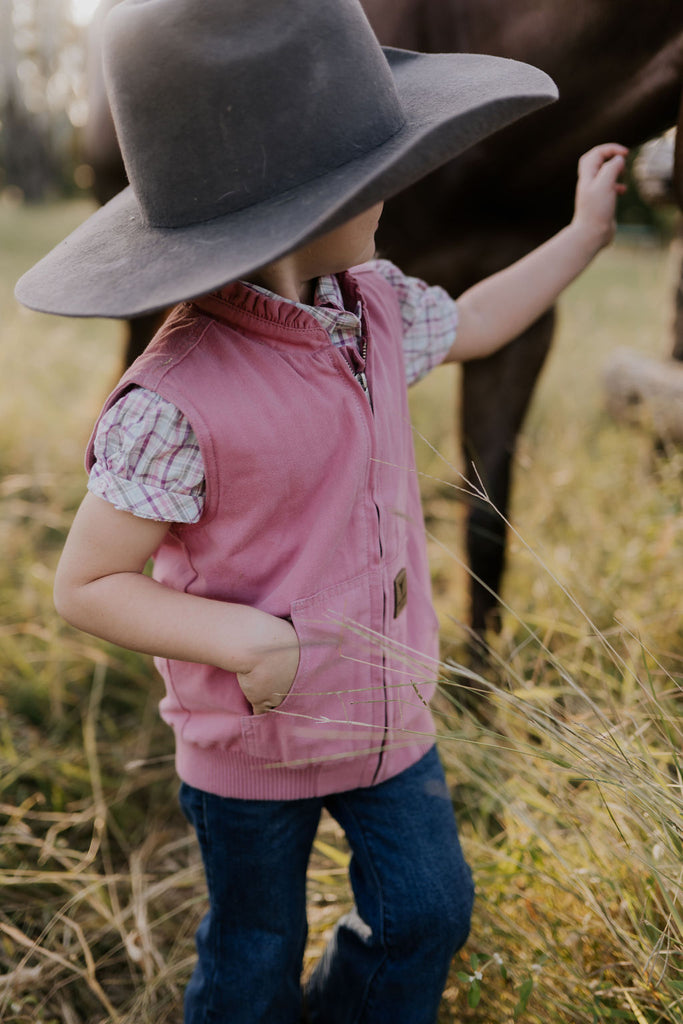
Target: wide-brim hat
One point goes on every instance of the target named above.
(249, 127)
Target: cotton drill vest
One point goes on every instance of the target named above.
(312, 513)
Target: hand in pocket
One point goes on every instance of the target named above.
(275, 664)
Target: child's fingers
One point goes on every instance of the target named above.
(611, 169)
(595, 159)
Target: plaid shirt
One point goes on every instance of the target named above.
(148, 459)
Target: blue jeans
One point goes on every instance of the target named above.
(387, 960)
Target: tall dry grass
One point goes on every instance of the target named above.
(565, 766)
(567, 770)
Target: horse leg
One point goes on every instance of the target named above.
(495, 395)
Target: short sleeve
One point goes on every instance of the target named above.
(147, 460)
(430, 320)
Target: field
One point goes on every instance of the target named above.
(565, 768)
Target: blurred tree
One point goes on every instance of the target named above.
(41, 95)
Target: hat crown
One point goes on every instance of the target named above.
(228, 103)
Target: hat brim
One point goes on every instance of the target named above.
(116, 265)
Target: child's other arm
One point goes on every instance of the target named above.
(502, 306)
(100, 588)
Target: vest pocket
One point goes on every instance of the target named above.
(335, 707)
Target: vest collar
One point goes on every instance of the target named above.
(271, 318)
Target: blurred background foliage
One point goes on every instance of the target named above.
(43, 101)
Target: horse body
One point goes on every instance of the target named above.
(619, 68)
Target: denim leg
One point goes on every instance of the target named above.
(388, 960)
(251, 942)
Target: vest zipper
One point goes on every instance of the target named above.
(380, 756)
(363, 381)
(360, 376)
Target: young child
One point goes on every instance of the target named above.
(261, 451)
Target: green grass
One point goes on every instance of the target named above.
(565, 772)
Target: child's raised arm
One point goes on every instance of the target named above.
(502, 306)
(100, 587)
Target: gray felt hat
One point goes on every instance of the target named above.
(249, 127)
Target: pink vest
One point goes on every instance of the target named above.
(312, 512)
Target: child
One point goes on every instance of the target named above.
(261, 451)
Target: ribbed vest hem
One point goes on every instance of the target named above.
(231, 773)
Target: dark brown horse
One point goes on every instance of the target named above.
(619, 67)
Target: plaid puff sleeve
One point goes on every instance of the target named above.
(430, 320)
(147, 460)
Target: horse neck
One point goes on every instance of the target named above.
(629, 32)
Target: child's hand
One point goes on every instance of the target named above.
(596, 193)
(275, 663)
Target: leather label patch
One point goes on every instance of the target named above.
(400, 592)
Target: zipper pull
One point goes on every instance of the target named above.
(363, 381)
